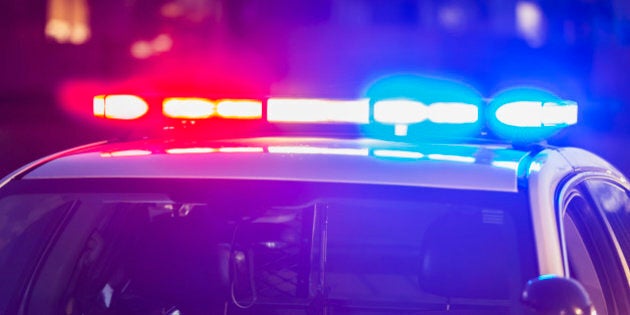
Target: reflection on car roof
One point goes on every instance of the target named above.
(457, 166)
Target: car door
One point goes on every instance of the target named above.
(592, 240)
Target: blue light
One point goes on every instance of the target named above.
(398, 154)
(423, 88)
(400, 112)
(547, 277)
(528, 115)
(420, 107)
(537, 114)
(453, 113)
(406, 112)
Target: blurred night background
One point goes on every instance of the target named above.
(57, 54)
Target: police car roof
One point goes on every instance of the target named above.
(456, 166)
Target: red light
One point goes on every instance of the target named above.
(239, 109)
(125, 107)
(188, 108)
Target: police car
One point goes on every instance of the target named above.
(387, 204)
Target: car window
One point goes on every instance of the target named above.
(581, 264)
(591, 256)
(198, 247)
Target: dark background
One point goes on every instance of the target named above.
(578, 49)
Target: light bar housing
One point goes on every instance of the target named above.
(517, 115)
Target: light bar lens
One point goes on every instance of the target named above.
(318, 110)
(247, 109)
(124, 107)
(537, 114)
(188, 108)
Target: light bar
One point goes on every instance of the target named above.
(520, 115)
(318, 110)
(124, 107)
(188, 108)
(537, 114)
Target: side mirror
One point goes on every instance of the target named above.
(549, 295)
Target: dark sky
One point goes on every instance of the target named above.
(311, 48)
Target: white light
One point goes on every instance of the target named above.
(559, 114)
(398, 154)
(190, 150)
(318, 110)
(529, 22)
(188, 108)
(125, 153)
(520, 114)
(240, 149)
(317, 150)
(120, 106)
(537, 114)
(452, 158)
(453, 113)
(239, 109)
(534, 167)
(107, 292)
(401, 112)
(506, 164)
(401, 130)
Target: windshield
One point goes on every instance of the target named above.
(260, 247)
